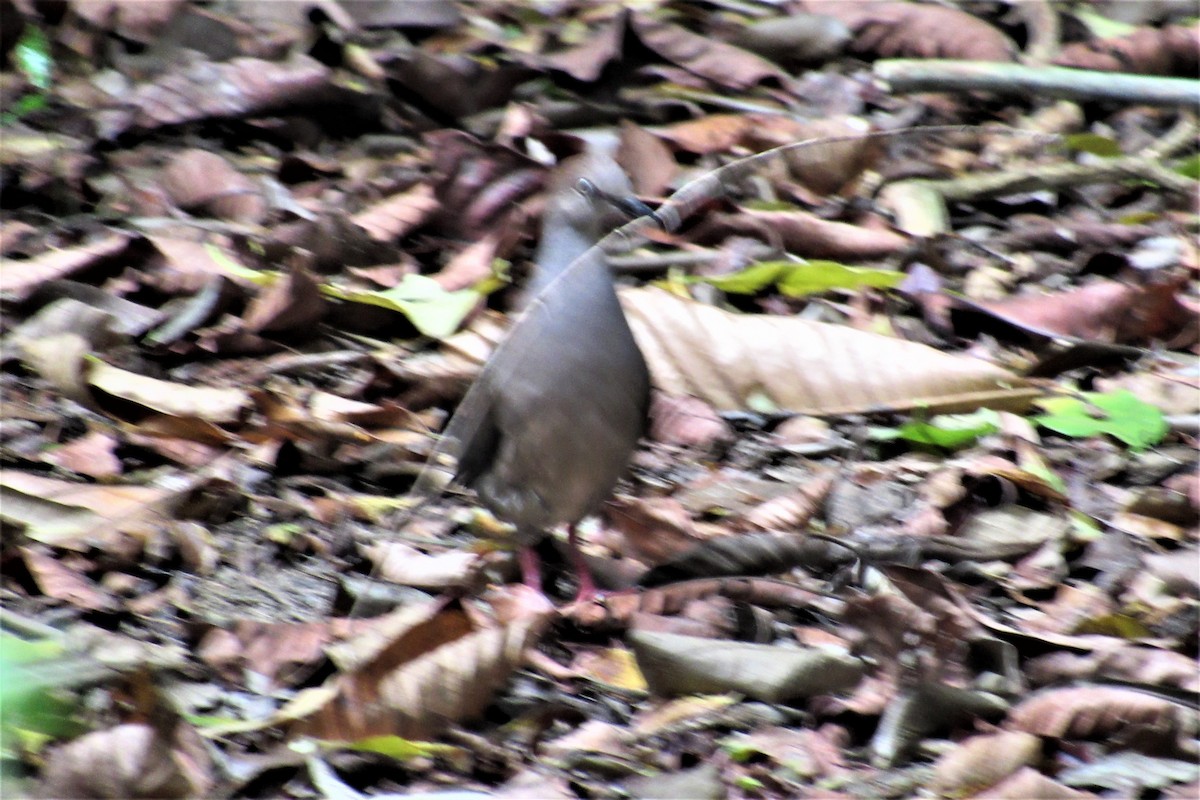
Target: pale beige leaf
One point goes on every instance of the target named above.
(1098, 712)
(674, 665)
(784, 364)
(982, 761)
(216, 405)
(131, 760)
(69, 514)
(415, 687)
(403, 564)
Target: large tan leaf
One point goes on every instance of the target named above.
(421, 670)
(74, 515)
(767, 363)
(675, 665)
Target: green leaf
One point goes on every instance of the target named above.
(223, 260)
(430, 308)
(15, 650)
(1102, 27)
(949, 431)
(796, 279)
(1093, 143)
(740, 749)
(821, 276)
(1119, 414)
(394, 747)
(1189, 167)
(33, 711)
(752, 279)
(32, 57)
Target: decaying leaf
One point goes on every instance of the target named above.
(676, 664)
(773, 364)
(436, 669)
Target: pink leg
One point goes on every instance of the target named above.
(587, 586)
(531, 568)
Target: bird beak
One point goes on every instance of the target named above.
(630, 206)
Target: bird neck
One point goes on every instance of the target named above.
(560, 244)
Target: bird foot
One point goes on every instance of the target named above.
(531, 568)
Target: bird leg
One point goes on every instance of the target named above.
(587, 586)
(531, 567)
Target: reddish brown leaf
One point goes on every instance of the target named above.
(204, 182)
(57, 580)
(392, 218)
(127, 761)
(723, 64)
(1172, 50)
(1097, 712)
(203, 88)
(19, 279)
(894, 29)
(1105, 311)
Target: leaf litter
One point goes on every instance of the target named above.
(918, 512)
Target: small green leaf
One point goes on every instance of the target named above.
(1093, 143)
(949, 431)
(821, 276)
(752, 279)
(1101, 26)
(430, 308)
(1083, 528)
(394, 747)
(34, 711)
(1119, 414)
(32, 57)
(797, 279)
(1189, 167)
(740, 749)
(223, 260)
(1139, 217)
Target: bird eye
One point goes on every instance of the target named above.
(586, 188)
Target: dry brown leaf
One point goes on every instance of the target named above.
(470, 265)
(587, 61)
(200, 88)
(715, 133)
(202, 181)
(652, 529)
(982, 761)
(895, 29)
(1028, 782)
(804, 234)
(129, 396)
(791, 511)
(130, 760)
(723, 64)
(400, 563)
(1171, 50)
(768, 364)
(74, 515)
(390, 219)
(423, 681)
(91, 455)
(676, 664)
(687, 422)
(55, 579)
(272, 650)
(1105, 311)
(19, 279)
(1098, 712)
(646, 159)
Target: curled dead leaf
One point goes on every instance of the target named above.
(777, 364)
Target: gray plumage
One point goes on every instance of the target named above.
(550, 424)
